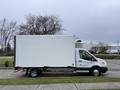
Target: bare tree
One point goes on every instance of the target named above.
(94, 49)
(7, 30)
(39, 25)
(100, 48)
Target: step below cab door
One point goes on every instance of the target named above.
(84, 59)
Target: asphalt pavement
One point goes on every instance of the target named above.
(113, 66)
(114, 71)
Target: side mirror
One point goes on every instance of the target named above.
(93, 59)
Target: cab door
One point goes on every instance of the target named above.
(84, 59)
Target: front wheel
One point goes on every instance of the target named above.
(95, 72)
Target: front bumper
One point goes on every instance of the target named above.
(104, 69)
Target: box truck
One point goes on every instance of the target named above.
(46, 53)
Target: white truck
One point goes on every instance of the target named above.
(45, 53)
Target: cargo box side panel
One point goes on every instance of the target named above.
(40, 51)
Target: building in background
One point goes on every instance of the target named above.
(113, 49)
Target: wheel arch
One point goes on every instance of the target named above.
(96, 66)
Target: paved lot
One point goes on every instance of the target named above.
(114, 68)
(113, 65)
(114, 71)
(10, 73)
(115, 74)
(73, 86)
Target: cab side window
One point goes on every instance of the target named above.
(85, 55)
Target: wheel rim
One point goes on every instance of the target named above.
(96, 72)
(34, 73)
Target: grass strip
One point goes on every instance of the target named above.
(55, 80)
(3, 59)
(108, 56)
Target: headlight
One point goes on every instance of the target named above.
(104, 63)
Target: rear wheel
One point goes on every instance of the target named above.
(34, 73)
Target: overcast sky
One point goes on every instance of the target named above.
(91, 20)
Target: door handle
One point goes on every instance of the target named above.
(80, 61)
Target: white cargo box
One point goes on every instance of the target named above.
(44, 50)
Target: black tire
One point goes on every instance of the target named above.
(96, 71)
(34, 73)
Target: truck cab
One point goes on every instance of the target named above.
(85, 61)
